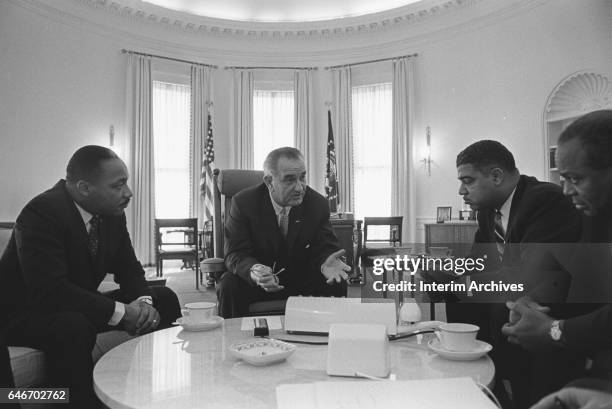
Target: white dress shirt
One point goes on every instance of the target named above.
(119, 307)
(278, 209)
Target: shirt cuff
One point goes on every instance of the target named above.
(118, 314)
(146, 298)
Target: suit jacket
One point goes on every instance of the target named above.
(542, 222)
(252, 236)
(47, 265)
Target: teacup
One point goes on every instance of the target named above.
(198, 312)
(457, 337)
(440, 251)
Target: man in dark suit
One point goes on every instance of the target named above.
(64, 242)
(278, 240)
(585, 163)
(518, 225)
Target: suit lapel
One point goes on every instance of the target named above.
(516, 200)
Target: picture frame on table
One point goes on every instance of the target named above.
(443, 214)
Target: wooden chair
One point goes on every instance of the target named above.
(177, 239)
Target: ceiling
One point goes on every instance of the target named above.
(280, 10)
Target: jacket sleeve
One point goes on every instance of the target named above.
(239, 248)
(598, 326)
(128, 271)
(326, 241)
(42, 254)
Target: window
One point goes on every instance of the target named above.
(372, 135)
(272, 122)
(171, 128)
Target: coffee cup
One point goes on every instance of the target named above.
(440, 251)
(198, 312)
(457, 336)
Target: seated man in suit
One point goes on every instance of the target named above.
(585, 163)
(518, 220)
(278, 240)
(64, 243)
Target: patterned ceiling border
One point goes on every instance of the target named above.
(376, 22)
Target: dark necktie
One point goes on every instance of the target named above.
(500, 234)
(283, 222)
(92, 236)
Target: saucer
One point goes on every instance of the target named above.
(482, 348)
(200, 326)
(262, 352)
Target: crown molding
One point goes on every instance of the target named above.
(136, 11)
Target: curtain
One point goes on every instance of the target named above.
(139, 119)
(403, 185)
(200, 101)
(172, 149)
(372, 146)
(273, 124)
(302, 85)
(241, 124)
(342, 95)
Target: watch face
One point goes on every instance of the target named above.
(555, 331)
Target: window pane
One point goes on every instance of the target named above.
(372, 110)
(171, 121)
(272, 122)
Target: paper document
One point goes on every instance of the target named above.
(460, 393)
(274, 322)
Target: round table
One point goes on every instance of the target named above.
(174, 368)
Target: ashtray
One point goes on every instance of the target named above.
(262, 352)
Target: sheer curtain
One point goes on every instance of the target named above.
(273, 124)
(171, 109)
(201, 91)
(372, 130)
(139, 119)
(302, 85)
(403, 199)
(241, 125)
(342, 99)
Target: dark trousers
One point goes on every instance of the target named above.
(68, 337)
(235, 295)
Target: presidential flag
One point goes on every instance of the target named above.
(331, 178)
(206, 178)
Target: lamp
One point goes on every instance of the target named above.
(427, 160)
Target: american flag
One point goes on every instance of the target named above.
(206, 179)
(331, 179)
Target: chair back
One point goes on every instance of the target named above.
(227, 183)
(382, 230)
(165, 227)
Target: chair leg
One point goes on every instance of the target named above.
(197, 271)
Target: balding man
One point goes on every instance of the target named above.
(278, 240)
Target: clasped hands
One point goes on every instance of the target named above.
(140, 318)
(264, 277)
(528, 324)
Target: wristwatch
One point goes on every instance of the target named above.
(556, 331)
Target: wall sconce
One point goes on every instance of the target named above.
(427, 160)
(111, 136)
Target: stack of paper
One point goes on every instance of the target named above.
(460, 393)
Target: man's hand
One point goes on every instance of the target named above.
(513, 316)
(334, 269)
(263, 277)
(577, 398)
(532, 328)
(148, 320)
(140, 318)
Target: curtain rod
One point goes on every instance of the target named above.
(370, 61)
(124, 51)
(270, 68)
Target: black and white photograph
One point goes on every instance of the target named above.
(288, 204)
